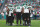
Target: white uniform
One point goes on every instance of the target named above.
(18, 9)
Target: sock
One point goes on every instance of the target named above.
(26, 22)
(29, 23)
(29, 26)
(23, 22)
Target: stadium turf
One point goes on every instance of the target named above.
(34, 23)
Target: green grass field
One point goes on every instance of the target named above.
(34, 23)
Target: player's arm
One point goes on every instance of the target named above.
(31, 9)
(22, 10)
(8, 10)
(14, 11)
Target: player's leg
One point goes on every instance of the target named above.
(13, 20)
(10, 21)
(23, 18)
(26, 15)
(12, 17)
(17, 18)
(17, 21)
(25, 21)
(29, 20)
(20, 18)
(6, 19)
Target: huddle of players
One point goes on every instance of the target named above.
(24, 11)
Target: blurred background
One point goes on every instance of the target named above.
(34, 3)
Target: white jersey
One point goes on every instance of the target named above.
(18, 9)
(5, 10)
(30, 8)
(11, 10)
(6, 13)
(10, 13)
(25, 9)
